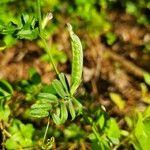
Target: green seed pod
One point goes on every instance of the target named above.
(77, 60)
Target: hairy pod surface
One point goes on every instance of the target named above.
(77, 60)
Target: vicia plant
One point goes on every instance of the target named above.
(60, 102)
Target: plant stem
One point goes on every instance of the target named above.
(49, 54)
(39, 16)
(45, 134)
(43, 39)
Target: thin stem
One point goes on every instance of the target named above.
(45, 134)
(95, 131)
(49, 54)
(43, 39)
(39, 16)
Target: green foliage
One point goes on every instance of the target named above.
(140, 135)
(147, 78)
(111, 38)
(21, 135)
(6, 92)
(137, 9)
(56, 102)
(30, 87)
(106, 133)
(58, 55)
(117, 99)
(74, 132)
(62, 100)
(27, 29)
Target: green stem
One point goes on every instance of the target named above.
(49, 55)
(96, 133)
(43, 39)
(45, 134)
(39, 16)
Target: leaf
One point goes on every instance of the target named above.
(71, 110)
(100, 145)
(6, 86)
(113, 131)
(2, 45)
(147, 78)
(27, 34)
(64, 82)
(117, 99)
(77, 61)
(147, 113)
(47, 96)
(111, 38)
(39, 113)
(41, 106)
(11, 143)
(142, 133)
(56, 119)
(10, 29)
(24, 18)
(101, 121)
(4, 95)
(64, 112)
(145, 93)
(74, 131)
(48, 89)
(21, 135)
(9, 40)
(58, 88)
(34, 76)
(78, 106)
(4, 113)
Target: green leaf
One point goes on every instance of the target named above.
(9, 40)
(64, 112)
(56, 119)
(4, 113)
(6, 86)
(11, 144)
(113, 131)
(147, 113)
(24, 18)
(64, 82)
(42, 106)
(78, 105)
(74, 131)
(4, 95)
(39, 113)
(21, 135)
(147, 78)
(27, 130)
(100, 145)
(27, 34)
(111, 38)
(2, 45)
(142, 133)
(34, 76)
(47, 96)
(117, 99)
(48, 89)
(58, 88)
(77, 61)
(71, 110)
(101, 121)
(9, 29)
